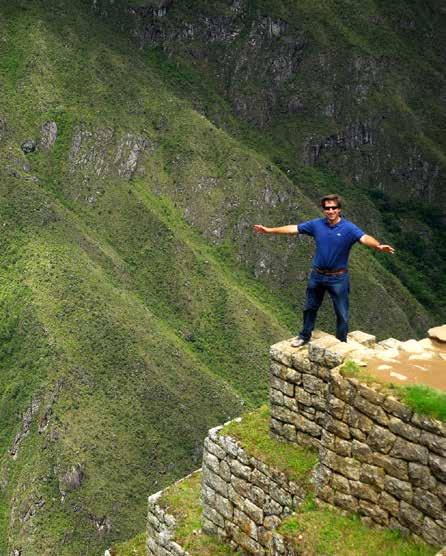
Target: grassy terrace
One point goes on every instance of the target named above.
(253, 434)
(420, 398)
(314, 531)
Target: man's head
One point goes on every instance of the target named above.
(331, 205)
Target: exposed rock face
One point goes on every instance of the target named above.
(28, 146)
(48, 135)
(259, 62)
(438, 333)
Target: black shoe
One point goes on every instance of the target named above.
(298, 342)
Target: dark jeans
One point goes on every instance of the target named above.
(338, 287)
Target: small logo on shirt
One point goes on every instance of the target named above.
(338, 234)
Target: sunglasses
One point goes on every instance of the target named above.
(331, 208)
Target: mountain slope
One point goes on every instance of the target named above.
(137, 306)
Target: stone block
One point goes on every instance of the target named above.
(240, 486)
(208, 495)
(245, 524)
(275, 426)
(363, 491)
(362, 338)
(301, 362)
(281, 496)
(405, 430)
(345, 501)
(261, 480)
(303, 397)
(282, 414)
(393, 466)
(433, 533)
(389, 503)
(257, 496)
(214, 516)
(410, 451)
(399, 489)
(225, 471)
(358, 420)
(381, 439)
(223, 506)
(289, 432)
(282, 352)
(253, 511)
(373, 511)
(428, 503)
(434, 442)
(337, 427)
(243, 471)
(213, 448)
(372, 475)
(229, 445)
(293, 376)
(371, 395)
(278, 370)
(282, 385)
(291, 404)
(428, 424)
(348, 467)
(341, 387)
(397, 409)
(316, 348)
(343, 447)
(358, 435)
(335, 407)
(340, 484)
(314, 385)
(271, 507)
(361, 451)
(420, 476)
(326, 493)
(390, 343)
(276, 396)
(247, 543)
(235, 497)
(215, 481)
(336, 354)
(212, 462)
(375, 412)
(306, 425)
(410, 517)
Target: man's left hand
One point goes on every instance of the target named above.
(385, 249)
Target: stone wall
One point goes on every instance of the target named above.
(161, 529)
(244, 500)
(377, 457)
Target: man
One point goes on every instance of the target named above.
(334, 238)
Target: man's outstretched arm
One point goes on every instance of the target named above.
(375, 244)
(290, 229)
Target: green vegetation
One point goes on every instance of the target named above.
(136, 305)
(421, 398)
(253, 434)
(312, 531)
(133, 547)
(182, 500)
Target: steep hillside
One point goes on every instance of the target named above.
(137, 307)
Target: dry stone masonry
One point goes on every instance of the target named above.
(244, 499)
(376, 456)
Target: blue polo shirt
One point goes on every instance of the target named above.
(333, 243)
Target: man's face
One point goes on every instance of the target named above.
(332, 211)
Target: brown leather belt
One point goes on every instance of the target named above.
(331, 272)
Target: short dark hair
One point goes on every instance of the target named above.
(336, 198)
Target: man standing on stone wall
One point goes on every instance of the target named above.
(334, 238)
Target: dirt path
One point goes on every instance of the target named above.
(406, 368)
